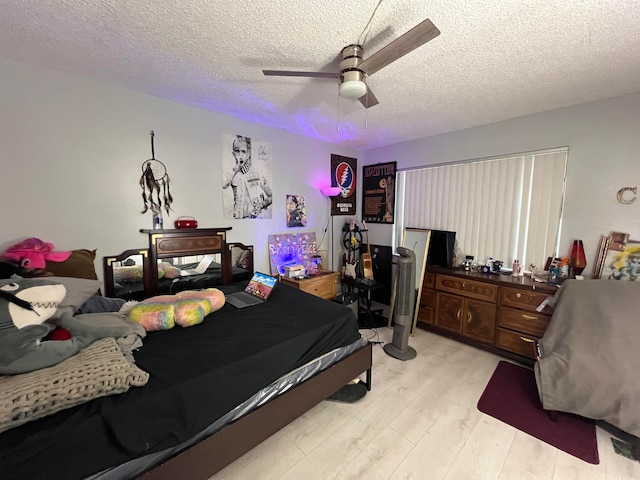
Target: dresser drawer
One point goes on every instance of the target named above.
(529, 323)
(191, 245)
(467, 288)
(429, 280)
(427, 306)
(523, 299)
(517, 343)
(322, 287)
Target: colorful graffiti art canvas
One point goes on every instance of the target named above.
(289, 249)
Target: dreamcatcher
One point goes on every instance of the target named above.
(155, 184)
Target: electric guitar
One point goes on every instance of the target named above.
(367, 263)
(351, 262)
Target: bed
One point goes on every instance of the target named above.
(215, 390)
(588, 357)
(139, 280)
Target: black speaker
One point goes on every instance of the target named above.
(381, 256)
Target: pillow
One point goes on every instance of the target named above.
(79, 290)
(186, 308)
(129, 274)
(100, 304)
(240, 257)
(79, 265)
(168, 271)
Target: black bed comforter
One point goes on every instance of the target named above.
(196, 375)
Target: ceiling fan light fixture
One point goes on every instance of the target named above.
(352, 89)
(352, 85)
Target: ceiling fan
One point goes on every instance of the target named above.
(354, 70)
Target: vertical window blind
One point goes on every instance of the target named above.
(506, 208)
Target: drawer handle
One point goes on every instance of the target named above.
(528, 340)
(464, 284)
(529, 317)
(469, 317)
(458, 314)
(518, 295)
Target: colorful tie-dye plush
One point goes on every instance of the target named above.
(184, 309)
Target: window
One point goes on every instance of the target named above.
(506, 208)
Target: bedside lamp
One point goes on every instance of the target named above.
(331, 192)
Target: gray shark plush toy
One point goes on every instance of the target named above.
(27, 314)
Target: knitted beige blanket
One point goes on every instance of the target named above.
(96, 371)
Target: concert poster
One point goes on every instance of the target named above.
(343, 175)
(379, 192)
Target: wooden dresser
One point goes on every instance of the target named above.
(323, 286)
(495, 312)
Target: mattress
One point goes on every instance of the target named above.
(197, 375)
(138, 466)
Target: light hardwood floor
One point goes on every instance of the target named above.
(420, 421)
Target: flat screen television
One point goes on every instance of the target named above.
(441, 249)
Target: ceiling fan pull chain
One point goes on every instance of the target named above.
(338, 123)
(366, 118)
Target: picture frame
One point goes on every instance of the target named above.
(296, 211)
(618, 258)
(379, 193)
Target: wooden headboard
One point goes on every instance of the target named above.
(164, 244)
(184, 242)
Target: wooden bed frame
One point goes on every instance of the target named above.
(177, 243)
(231, 442)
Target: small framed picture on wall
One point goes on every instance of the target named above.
(296, 211)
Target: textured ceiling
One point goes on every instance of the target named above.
(494, 60)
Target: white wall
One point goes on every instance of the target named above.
(604, 155)
(71, 151)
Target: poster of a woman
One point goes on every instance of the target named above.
(296, 211)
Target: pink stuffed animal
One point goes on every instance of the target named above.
(33, 252)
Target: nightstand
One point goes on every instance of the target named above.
(324, 285)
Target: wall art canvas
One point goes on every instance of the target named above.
(343, 175)
(296, 211)
(621, 259)
(246, 177)
(289, 249)
(379, 192)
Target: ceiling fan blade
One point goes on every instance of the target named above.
(288, 73)
(417, 36)
(368, 100)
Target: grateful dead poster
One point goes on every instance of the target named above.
(343, 175)
(378, 192)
